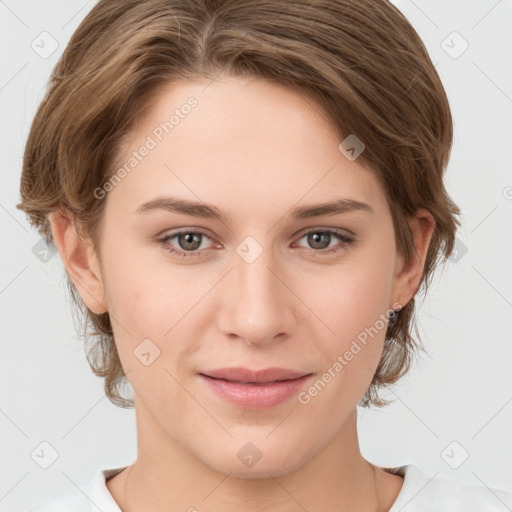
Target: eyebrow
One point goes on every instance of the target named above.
(197, 209)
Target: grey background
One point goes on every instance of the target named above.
(454, 402)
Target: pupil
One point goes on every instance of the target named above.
(315, 239)
(190, 238)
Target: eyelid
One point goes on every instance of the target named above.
(185, 229)
(300, 234)
(344, 242)
(321, 229)
(167, 236)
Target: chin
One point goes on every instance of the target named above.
(260, 471)
(258, 460)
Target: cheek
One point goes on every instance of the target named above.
(352, 303)
(135, 302)
(148, 300)
(137, 293)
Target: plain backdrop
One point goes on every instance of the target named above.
(452, 415)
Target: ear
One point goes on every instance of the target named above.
(408, 275)
(80, 261)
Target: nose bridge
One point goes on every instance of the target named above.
(257, 307)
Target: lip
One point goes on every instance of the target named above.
(241, 374)
(255, 389)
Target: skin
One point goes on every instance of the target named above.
(254, 149)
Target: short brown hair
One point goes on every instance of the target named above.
(360, 59)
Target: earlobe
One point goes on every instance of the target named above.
(409, 274)
(80, 262)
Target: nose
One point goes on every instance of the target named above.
(257, 303)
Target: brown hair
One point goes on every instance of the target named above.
(361, 60)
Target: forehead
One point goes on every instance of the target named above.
(239, 142)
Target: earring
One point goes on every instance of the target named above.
(392, 317)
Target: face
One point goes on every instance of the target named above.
(257, 286)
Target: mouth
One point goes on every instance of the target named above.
(255, 390)
(252, 383)
(247, 376)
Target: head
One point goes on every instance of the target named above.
(251, 108)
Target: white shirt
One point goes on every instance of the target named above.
(419, 493)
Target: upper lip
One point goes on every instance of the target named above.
(246, 375)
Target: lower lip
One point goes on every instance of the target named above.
(255, 396)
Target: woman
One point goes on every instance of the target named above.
(247, 197)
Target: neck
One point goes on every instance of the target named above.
(166, 476)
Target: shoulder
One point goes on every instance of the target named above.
(92, 496)
(423, 493)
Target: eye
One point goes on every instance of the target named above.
(189, 243)
(320, 240)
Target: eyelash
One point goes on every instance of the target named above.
(345, 239)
